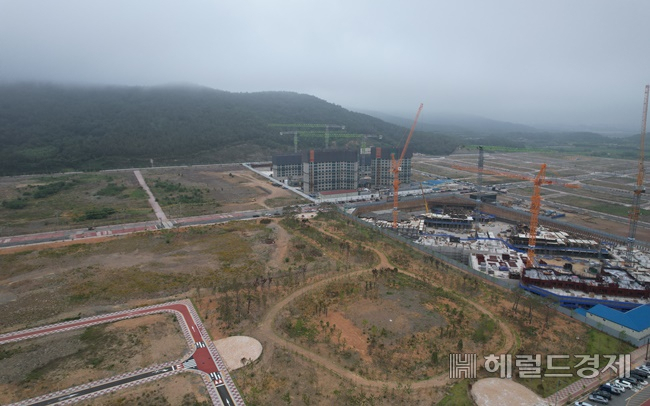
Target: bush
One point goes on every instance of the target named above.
(15, 204)
(50, 189)
(111, 190)
(97, 213)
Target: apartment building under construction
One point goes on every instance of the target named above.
(340, 169)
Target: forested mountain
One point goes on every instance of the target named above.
(48, 128)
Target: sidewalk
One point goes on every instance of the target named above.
(586, 385)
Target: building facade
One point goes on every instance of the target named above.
(325, 170)
(339, 169)
(381, 162)
(287, 167)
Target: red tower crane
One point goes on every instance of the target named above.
(396, 166)
(638, 188)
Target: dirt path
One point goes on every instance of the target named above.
(265, 332)
(281, 244)
(272, 192)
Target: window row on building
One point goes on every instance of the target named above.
(339, 169)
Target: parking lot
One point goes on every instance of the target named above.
(633, 397)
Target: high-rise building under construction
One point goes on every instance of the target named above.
(340, 169)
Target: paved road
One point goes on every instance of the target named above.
(124, 229)
(160, 214)
(205, 356)
(102, 387)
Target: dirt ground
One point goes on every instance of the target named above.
(232, 188)
(41, 365)
(503, 392)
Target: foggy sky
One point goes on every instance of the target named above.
(574, 63)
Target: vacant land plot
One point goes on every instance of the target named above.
(41, 365)
(190, 191)
(612, 177)
(46, 285)
(31, 204)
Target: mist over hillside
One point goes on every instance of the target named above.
(50, 128)
(456, 124)
(46, 128)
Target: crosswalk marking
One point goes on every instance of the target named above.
(216, 378)
(200, 344)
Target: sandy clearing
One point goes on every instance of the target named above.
(503, 392)
(237, 348)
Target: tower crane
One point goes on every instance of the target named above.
(327, 128)
(638, 188)
(426, 205)
(396, 167)
(327, 136)
(535, 200)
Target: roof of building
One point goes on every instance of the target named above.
(331, 155)
(385, 153)
(436, 182)
(289, 159)
(637, 319)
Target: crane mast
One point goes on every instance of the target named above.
(426, 205)
(638, 188)
(535, 205)
(396, 166)
(535, 199)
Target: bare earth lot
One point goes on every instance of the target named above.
(223, 190)
(41, 365)
(31, 204)
(615, 178)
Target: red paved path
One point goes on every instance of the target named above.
(202, 355)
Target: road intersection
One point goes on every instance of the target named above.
(204, 360)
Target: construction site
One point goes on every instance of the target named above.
(486, 209)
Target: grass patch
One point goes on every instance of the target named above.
(458, 395)
(48, 203)
(597, 343)
(112, 190)
(602, 207)
(111, 286)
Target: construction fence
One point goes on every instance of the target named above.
(458, 258)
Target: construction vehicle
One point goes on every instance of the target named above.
(638, 187)
(396, 167)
